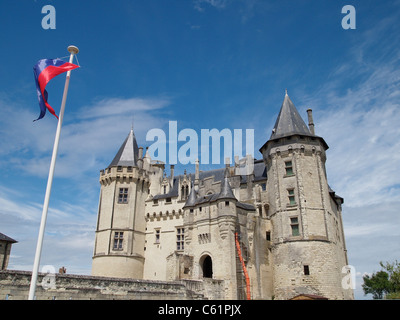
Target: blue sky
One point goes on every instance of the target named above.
(205, 64)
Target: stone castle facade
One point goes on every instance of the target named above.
(271, 230)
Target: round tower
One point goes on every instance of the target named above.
(120, 231)
(308, 246)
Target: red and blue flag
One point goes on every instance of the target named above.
(44, 71)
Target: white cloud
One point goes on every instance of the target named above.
(69, 234)
(87, 143)
(198, 4)
(361, 123)
(89, 140)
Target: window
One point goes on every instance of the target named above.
(294, 224)
(165, 189)
(263, 186)
(226, 203)
(157, 231)
(118, 239)
(292, 199)
(180, 238)
(123, 195)
(306, 270)
(289, 168)
(155, 202)
(268, 235)
(184, 192)
(168, 200)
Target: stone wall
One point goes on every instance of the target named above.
(14, 285)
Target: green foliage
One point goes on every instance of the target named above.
(384, 283)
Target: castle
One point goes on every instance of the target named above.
(272, 231)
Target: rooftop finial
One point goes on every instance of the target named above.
(286, 92)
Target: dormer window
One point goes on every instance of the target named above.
(184, 192)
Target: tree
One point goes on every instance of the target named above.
(384, 283)
(377, 284)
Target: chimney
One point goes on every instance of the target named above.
(172, 175)
(197, 173)
(140, 153)
(227, 162)
(310, 121)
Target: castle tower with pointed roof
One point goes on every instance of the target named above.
(308, 248)
(119, 243)
(271, 231)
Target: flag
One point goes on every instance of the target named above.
(44, 71)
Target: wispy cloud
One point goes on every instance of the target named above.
(199, 4)
(87, 142)
(357, 112)
(69, 233)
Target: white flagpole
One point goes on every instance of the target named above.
(73, 50)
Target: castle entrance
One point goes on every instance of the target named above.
(206, 266)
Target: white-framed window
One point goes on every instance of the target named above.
(118, 240)
(180, 238)
(123, 195)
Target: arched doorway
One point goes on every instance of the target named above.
(206, 266)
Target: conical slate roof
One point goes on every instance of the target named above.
(191, 201)
(226, 190)
(289, 121)
(128, 154)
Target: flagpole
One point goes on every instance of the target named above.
(73, 50)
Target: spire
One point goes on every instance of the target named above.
(191, 201)
(226, 190)
(289, 121)
(128, 153)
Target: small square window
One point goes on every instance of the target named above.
(306, 270)
(294, 224)
(292, 199)
(226, 203)
(263, 186)
(123, 195)
(157, 232)
(289, 168)
(118, 239)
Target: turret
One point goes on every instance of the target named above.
(119, 242)
(307, 256)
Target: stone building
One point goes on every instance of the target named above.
(271, 230)
(5, 250)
